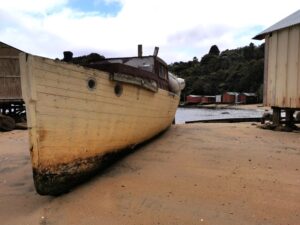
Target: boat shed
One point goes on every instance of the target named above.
(193, 99)
(12, 107)
(230, 97)
(207, 99)
(10, 82)
(247, 98)
(282, 63)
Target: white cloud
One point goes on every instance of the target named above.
(31, 6)
(182, 29)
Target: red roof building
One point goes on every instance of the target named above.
(247, 98)
(230, 97)
(193, 99)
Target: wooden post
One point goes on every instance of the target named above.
(276, 116)
(140, 50)
(155, 53)
(266, 65)
(289, 117)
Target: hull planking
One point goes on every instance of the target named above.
(75, 129)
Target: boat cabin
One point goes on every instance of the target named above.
(150, 72)
(149, 67)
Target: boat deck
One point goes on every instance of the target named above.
(191, 174)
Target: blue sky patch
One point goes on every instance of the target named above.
(249, 31)
(103, 7)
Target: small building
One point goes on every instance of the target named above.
(247, 98)
(282, 67)
(10, 82)
(197, 99)
(230, 97)
(193, 99)
(208, 99)
(218, 98)
(12, 108)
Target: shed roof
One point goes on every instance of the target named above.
(248, 94)
(4, 45)
(194, 96)
(291, 20)
(231, 93)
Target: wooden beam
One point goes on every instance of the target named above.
(8, 57)
(276, 116)
(228, 120)
(10, 76)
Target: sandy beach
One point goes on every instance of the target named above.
(192, 174)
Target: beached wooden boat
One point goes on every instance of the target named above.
(78, 117)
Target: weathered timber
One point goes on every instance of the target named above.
(119, 68)
(276, 116)
(228, 120)
(130, 79)
(63, 177)
(77, 119)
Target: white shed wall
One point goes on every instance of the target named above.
(282, 75)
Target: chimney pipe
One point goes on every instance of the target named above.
(155, 53)
(140, 50)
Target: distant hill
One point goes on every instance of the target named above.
(239, 70)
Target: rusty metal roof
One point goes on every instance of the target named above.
(291, 20)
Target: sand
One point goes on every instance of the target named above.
(218, 174)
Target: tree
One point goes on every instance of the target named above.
(238, 70)
(214, 50)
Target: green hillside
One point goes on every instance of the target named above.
(239, 70)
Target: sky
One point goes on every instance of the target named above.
(182, 29)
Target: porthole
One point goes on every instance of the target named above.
(118, 89)
(91, 83)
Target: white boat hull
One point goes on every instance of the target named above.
(73, 128)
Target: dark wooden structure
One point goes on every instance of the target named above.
(12, 107)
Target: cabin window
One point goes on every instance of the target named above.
(91, 83)
(118, 89)
(162, 72)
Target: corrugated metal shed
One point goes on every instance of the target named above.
(282, 68)
(289, 21)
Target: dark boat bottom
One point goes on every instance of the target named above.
(61, 178)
